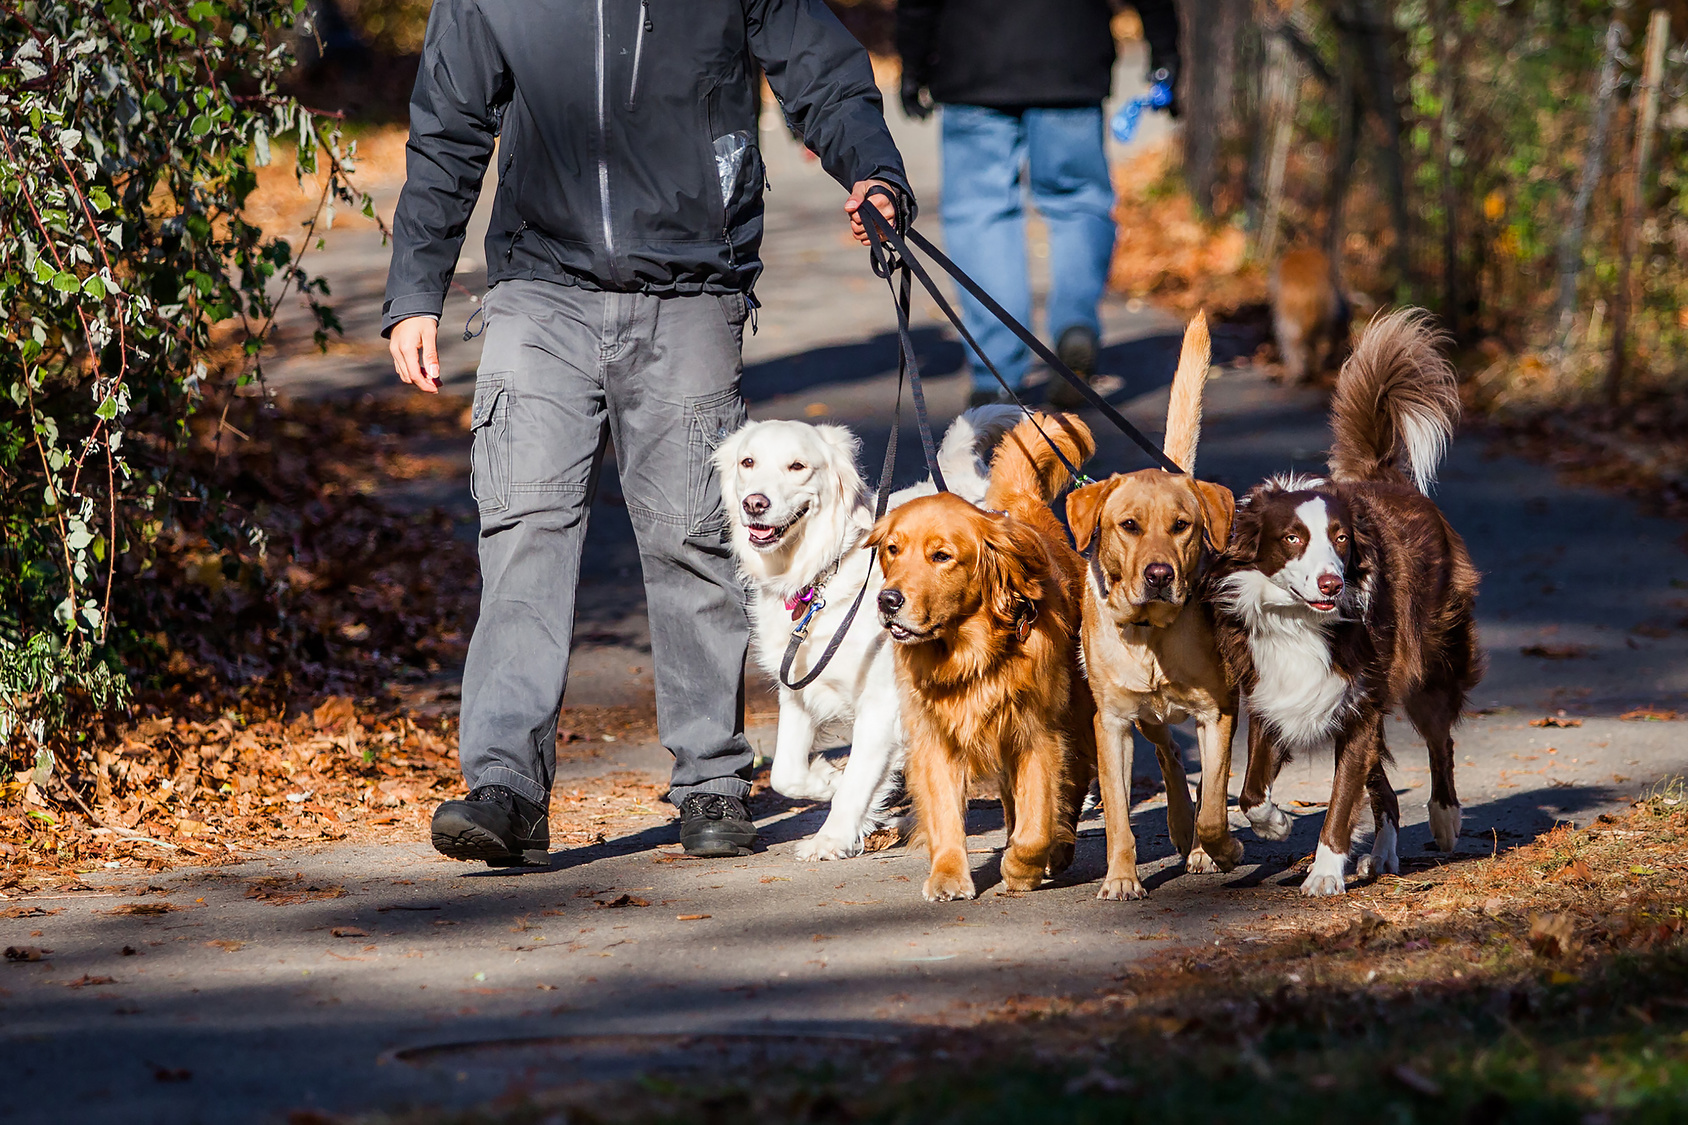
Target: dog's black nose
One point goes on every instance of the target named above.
(890, 601)
(1157, 574)
(1330, 585)
(756, 504)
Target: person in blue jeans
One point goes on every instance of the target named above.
(1022, 86)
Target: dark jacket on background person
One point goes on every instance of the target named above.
(627, 152)
(1015, 54)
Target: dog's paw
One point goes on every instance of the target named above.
(1222, 854)
(817, 783)
(1444, 825)
(1327, 875)
(1269, 822)
(1371, 866)
(1122, 888)
(1322, 886)
(1198, 862)
(823, 847)
(948, 888)
(1384, 859)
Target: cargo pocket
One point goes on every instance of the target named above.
(709, 419)
(489, 456)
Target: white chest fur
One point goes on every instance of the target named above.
(1297, 690)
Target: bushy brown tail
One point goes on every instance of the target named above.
(1025, 472)
(1184, 410)
(1396, 403)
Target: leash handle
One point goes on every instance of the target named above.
(878, 228)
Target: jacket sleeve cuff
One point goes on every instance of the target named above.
(414, 304)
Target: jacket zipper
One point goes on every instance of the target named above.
(604, 144)
(645, 27)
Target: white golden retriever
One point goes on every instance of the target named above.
(800, 510)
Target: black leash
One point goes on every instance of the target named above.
(880, 231)
(816, 602)
(890, 258)
(908, 369)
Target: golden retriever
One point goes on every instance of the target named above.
(1149, 646)
(984, 609)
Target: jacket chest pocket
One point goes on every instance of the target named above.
(735, 160)
(489, 455)
(709, 419)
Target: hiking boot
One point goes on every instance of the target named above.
(712, 824)
(497, 825)
(984, 396)
(1077, 349)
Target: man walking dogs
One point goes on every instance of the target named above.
(622, 255)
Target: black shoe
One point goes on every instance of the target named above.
(497, 825)
(715, 825)
(1077, 349)
(984, 396)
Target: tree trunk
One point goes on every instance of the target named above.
(1280, 91)
(1452, 310)
(1594, 168)
(1208, 34)
(1646, 119)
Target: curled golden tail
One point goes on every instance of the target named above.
(1025, 472)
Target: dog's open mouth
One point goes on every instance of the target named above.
(1322, 607)
(903, 635)
(765, 535)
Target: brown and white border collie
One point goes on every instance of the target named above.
(1342, 598)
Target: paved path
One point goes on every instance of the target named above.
(269, 1010)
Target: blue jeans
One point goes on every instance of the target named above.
(984, 154)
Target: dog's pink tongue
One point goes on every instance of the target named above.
(761, 534)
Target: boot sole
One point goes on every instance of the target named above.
(719, 847)
(466, 840)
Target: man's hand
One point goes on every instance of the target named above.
(414, 344)
(853, 205)
(917, 100)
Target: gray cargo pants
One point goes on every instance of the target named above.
(563, 370)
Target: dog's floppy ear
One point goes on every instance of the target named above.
(1244, 545)
(1084, 508)
(841, 446)
(727, 454)
(841, 439)
(1013, 567)
(880, 531)
(1219, 508)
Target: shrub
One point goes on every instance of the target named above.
(129, 130)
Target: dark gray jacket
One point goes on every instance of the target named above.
(628, 156)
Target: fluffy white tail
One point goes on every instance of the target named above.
(1396, 403)
(965, 454)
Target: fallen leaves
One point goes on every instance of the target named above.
(348, 932)
(1553, 935)
(85, 980)
(620, 901)
(142, 909)
(26, 953)
(227, 945)
(1576, 871)
(12, 912)
(1556, 652)
(1650, 715)
(1556, 721)
(280, 890)
(690, 917)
